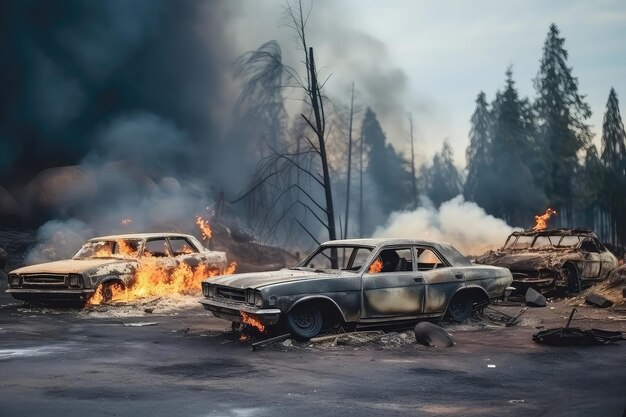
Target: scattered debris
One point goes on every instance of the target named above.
(534, 298)
(517, 401)
(355, 336)
(491, 365)
(429, 334)
(569, 336)
(141, 324)
(288, 343)
(269, 341)
(497, 316)
(598, 301)
(148, 310)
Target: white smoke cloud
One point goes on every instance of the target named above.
(461, 223)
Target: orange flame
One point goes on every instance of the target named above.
(376, 266)
(153, 278)
(252, 321)
(541, 222)
(203, 225)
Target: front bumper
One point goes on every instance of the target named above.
(58, 295)
(231, 311)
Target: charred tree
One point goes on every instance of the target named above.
(345, 232)
(414, 189)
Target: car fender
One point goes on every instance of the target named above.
(317, 297)
(467, 288)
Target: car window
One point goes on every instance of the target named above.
(522, 242)
(588, 245)
(348, 257)
(427, 260)
(126, 247)
(181, 246)
(569, 241)
(392, 260)
(156, 248)
(545, 241)
(95, 249)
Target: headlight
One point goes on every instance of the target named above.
(212, 291)
(205, 289)
(258, 299)
(14, 280)
(75, 280)
(250, 296)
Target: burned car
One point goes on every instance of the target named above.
(359, 283)
(106, 262)
(563, 259)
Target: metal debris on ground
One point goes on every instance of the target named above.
(569, 336)
(597, 300)
(429, 334)
(364, 336)
(499, 317)
(269, 341)
(141, 324)
(534, 298)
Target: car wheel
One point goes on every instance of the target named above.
(107, 290)
(572, 280)
(305, 321)
(460, 308)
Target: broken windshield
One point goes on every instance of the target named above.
(108, 249)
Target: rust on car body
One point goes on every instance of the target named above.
(104, 259)
(418, 280)
(564, 259)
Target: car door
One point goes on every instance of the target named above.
(391, 286)
(440, 279)
(158, 248)
(592, 261)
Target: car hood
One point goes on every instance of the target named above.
(261, 279)
(523, 260)
(70, 266)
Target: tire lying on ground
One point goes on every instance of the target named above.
(429, 334)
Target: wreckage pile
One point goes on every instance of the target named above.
(612, 289)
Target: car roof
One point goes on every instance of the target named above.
(558, 232)
(140, 236)
(454, 257)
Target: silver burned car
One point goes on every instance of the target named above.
(106, 261)
(361, 283)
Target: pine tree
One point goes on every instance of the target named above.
(479, 163)
(614, 160)
(386, 169)
(442, 181)
(562, 113)
(515, 195)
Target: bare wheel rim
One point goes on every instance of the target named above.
(458, 307)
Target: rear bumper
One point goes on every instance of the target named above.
(232, 311)
(35, 295)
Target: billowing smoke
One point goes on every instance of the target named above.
(461, 223)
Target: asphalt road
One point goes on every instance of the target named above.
(68, 363)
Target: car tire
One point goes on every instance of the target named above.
(107, 290)
(460, 308)
(572, 280)
(305, 322)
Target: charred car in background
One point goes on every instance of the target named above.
(561, 259)
(106, 261)
(359, 283)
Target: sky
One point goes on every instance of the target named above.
(432, 58)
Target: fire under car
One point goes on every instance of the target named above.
(560, 259)
(359, 283)
(105, 262)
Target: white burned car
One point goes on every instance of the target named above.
(106, 261)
